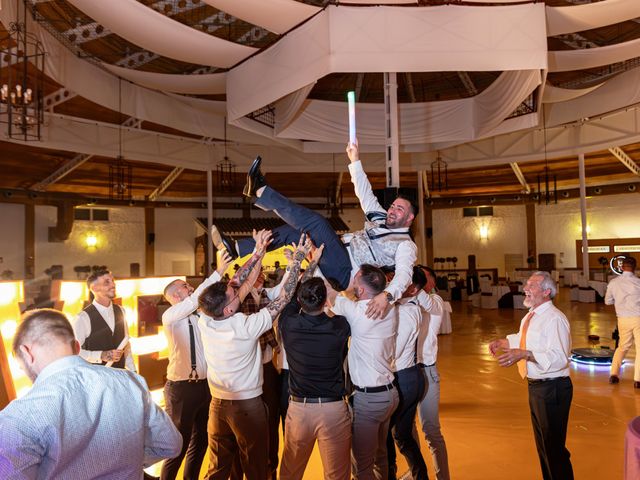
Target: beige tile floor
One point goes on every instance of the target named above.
(484, 410)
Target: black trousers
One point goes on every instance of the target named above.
(549, 403)
(187, 403)
(411, 385)
(271, 398)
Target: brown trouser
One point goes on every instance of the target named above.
(238, 427)
(330, 424)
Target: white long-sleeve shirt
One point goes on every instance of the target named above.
(624, 293)
(84, 421)
(82, 329)
(233, 354)
(372, 350)
(549, 339)
(409, 325)
(432, 309)
(406, 251)
(176, 328)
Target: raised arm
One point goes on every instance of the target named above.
(313, 259)
(253, 267)
(290, 279)
(368, 201)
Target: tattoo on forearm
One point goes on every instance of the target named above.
(308, 273)
(288, 289)
(244, 271)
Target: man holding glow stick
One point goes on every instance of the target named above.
(385, 240)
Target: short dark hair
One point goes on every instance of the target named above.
(41, 325)
(629, 262)
(213, 299)
(373, 277)
(414, 206)
(419, 279)
(429, 270)
(96, 275)
(312, 294)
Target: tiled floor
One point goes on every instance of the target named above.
(484, 410)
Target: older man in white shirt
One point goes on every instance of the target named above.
(624, 293)
(541, 351)
(371, 361)
(78, 420)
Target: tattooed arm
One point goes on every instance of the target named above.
(316, 253)
(246, 276)
(291, 278)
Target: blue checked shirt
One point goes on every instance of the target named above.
(83, 421)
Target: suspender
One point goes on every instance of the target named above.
(193, 375)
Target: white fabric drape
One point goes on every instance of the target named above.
(577, 18)
(395, 39)
(278, 16)
(101, 87)
(566, 60)
(619, 92)
(556, 94)
(288, 107)
(157, 33)
(206, 84)
(453, 120)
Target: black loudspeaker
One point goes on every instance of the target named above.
(386, 196)
(429, 232)
(134, 270)
(151, 237)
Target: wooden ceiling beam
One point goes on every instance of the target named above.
(166, 183)
(65, 169)
(626, 160)
(520, 177)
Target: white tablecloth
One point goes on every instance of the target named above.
(445, 326)
(600, 287)
(499, 290)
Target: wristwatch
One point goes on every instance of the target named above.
(389, 296)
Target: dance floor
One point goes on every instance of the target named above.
(484, 410)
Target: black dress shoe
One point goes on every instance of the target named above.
(636, 384)
(220, 240)
(255, 179)
(614, 379)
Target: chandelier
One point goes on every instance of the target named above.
(226, 169)
(545, 190)
(120, 172)
(439, 174)
(21, 80)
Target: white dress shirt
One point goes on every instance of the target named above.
(549, 339)
(432, 309)
(82, 329)
(176, 328)
(409, 323)
(84, 421)
(624, 293)
(407, 251)
(371, 354)
(233, 354)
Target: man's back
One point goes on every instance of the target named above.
(84, 421)
(624, 293)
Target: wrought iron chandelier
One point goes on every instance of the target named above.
(120, 172)
(226, 169)
(21, 80)
(439, 174)
(546, 178)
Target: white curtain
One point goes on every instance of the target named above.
(577, 18)
(394, 39)
(278, 16)
(566, 60)
(158, 33)
(556, 94)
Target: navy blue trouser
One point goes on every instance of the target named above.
(411, 386)
(334, 263)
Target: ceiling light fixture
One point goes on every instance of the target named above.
(21, 80)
